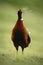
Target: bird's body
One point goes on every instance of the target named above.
(20, 35)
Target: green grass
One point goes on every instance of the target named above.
(35, 5)
(33, 55)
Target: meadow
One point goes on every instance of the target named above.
(33, 21)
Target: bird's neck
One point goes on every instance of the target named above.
(20, 17)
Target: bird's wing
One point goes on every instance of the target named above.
(29, 39)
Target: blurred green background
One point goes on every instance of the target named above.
(33, 20)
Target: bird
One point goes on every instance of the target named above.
(20, 36)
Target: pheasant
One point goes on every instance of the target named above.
(20, 35)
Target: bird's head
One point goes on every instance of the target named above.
(19, 14)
